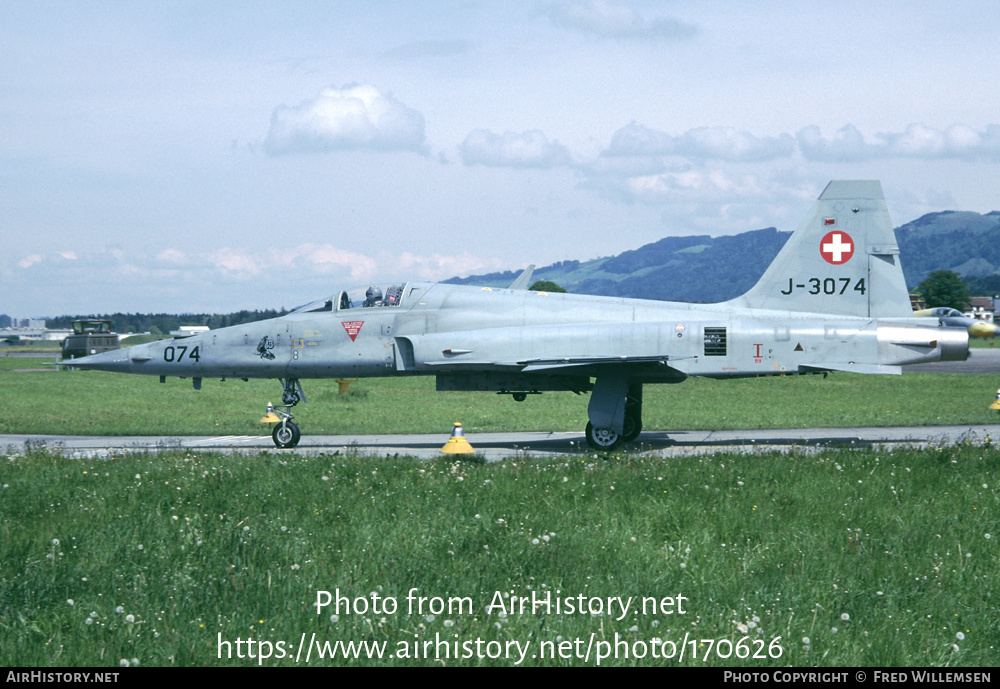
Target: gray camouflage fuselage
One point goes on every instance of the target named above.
(833, 300)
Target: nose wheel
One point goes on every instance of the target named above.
(286, 434)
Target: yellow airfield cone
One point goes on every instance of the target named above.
(996, 402)
(270, 416)
(457, 444)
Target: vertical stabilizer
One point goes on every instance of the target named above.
(842, 260)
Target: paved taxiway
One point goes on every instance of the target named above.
(499, 446)
(979, 361)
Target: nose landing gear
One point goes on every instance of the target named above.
(286, 434)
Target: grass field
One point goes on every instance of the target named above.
(98, 403)
(841, 559)
(837, 559)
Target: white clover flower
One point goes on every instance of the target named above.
(93, 613)
(429, 619)
(130, 618)
(120, 609)
(123, 662)
(805, 640)
(449, 623)
(960, 636)
(55, 541)
(334, 618)
(69, 601)
(535, 541)
(833, 630)
(88, 621)
(845, 617)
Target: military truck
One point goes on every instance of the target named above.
(90, 336)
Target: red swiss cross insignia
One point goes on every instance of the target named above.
(836, 248)
(352, 328)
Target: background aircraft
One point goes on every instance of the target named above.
(957, 319)
(834, 299)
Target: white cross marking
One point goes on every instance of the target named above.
(837, 248)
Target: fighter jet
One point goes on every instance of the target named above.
(957, 319)
(834, 299)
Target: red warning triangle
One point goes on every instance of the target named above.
(352, 328)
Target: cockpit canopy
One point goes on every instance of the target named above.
(945, 312)
(373, 296)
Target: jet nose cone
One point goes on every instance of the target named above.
(116, 360)
(984, 329)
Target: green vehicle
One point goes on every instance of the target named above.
(90, 336)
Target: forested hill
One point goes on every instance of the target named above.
(710, 269)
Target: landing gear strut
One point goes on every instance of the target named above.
(606, 407)
(286, 434)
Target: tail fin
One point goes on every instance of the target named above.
(842, 260)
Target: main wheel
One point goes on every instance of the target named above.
(633, 427)
(286, 434)
(603, 438)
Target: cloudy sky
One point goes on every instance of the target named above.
(215, 156)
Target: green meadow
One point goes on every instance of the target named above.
(850, 558)
(841, 558)
(99, 403)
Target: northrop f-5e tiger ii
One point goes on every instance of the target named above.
(833, 299)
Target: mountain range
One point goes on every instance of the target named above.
(710, 269)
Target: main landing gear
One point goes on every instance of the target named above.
(286, 434)
(608, 404)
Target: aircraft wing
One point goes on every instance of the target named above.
(532, 365)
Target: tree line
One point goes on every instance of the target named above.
(163, 323)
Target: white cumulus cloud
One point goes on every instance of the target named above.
(702, 143)
(510, 149)
(917, 140)
(610, 20)
(350, 118)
